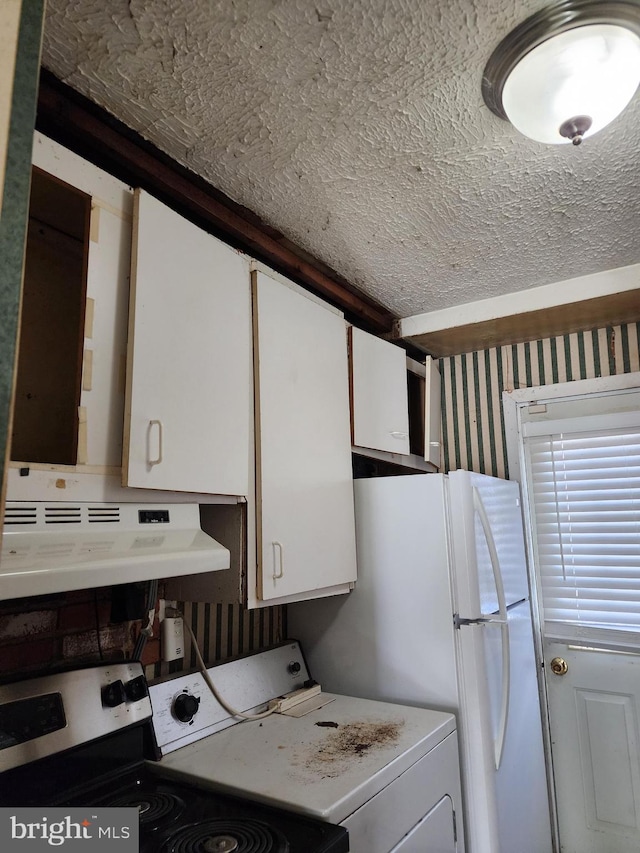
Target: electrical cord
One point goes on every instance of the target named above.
(96, 610)
(146, 631)
(205, 674)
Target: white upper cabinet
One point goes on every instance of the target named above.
(69, 390)
(304, 489)
(189, 365)
(379, 404)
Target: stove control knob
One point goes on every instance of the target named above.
(113, 694)
(136, 689)
(185, 707)
(294, 667)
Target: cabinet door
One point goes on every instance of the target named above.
(432, 415)
(380, 408)
(306, 529)
(189, 371)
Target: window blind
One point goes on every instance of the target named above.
(584, 492)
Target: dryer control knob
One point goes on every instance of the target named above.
(185, 707)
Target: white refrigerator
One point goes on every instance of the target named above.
(440, 617)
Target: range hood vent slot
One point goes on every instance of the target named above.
(101, 513)
(62, 515)
(49, 547)
(20, 515)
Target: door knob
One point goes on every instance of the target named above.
(559, 666)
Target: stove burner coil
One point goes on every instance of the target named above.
(155, 809)
(227, 836)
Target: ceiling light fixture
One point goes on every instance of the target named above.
(567, 71)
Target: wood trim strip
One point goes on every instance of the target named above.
(80, 125)
(609, 310)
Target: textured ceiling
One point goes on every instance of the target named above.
(358, 130)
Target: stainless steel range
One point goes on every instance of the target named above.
(80, 738)
(323, 774)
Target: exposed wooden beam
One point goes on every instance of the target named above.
(80, 125)
(610, 310)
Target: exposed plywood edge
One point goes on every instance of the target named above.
(416, 367)
(82, 435)
(128, 381)
(106, 192)
(257, 266)
(560, 319)
(409, 461)
(257, 518)
(87, 370)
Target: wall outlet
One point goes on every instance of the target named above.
(172, 638)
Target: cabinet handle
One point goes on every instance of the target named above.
(158, 459)
(277, 546)
(397, 434)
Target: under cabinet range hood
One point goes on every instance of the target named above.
(56, 547)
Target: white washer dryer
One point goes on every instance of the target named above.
(388, 773)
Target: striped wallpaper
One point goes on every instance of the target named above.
(473, 438)
(223, 631)
(472, 386)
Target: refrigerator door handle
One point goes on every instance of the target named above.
(506, 692)
(460, 621)
(493, 553)
(504, 627)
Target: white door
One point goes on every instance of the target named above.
(306, 525)
(189, 372)
(582, 460)
(595, 738)
(379, 395)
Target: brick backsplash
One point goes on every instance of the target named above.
(60, 631)
(57, 631)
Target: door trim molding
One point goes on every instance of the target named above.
(512, 402)
(576, 389)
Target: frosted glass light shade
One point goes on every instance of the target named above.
(593, 70)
